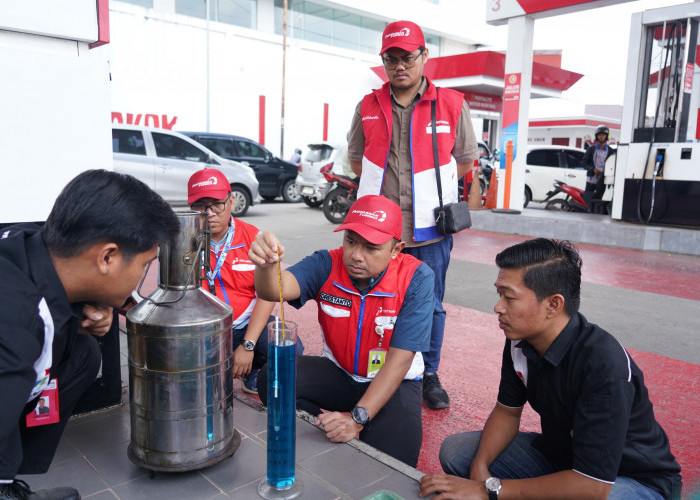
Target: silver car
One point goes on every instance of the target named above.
(165, 160)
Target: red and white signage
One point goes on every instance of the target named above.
(499, 11)
(483, 102)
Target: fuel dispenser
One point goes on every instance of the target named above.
(657, 170)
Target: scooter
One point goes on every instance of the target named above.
(574, 201)
(340, 195)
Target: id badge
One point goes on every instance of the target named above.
(377, 357)
(46, 411)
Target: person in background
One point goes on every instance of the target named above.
(296, 157)
(599, 436)
(375, 310)
(390, 147)
(60, 283)
(594, 162)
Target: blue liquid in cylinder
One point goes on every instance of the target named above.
(281, 416)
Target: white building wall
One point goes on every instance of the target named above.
(158, 65)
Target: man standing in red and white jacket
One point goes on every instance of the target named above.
(390, 146)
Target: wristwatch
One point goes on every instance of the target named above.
(360, 415)
(248, 345)
(493, 487)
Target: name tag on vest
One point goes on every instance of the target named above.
(440, 129)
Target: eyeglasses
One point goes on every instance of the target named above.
(217, 207)
(407, 61)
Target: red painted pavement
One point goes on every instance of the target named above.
(655, 272)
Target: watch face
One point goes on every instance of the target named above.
(360, 415)
(248, 345)
(493, 484)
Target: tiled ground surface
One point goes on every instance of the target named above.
(92, 457)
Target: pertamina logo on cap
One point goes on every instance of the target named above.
(378, 215)
(401, 32)
(211, 181)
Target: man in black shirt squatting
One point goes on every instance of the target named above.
(599, 436)
(59, 285)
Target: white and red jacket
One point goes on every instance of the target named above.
(349, 320)
(235, 283)
(376, 114)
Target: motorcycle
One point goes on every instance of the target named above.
(340, 195)
(575, 200)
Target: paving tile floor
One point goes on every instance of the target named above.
(92, 457)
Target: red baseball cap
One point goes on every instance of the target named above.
(376, 218)
(404, 35)
(207, 183)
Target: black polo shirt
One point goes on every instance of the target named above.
(595, 411)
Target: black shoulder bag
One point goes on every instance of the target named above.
(453, 217)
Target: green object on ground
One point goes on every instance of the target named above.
(383, 495)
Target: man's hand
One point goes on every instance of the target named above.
(339, 427)
(451, 488)
(242, 361)
(266, 250)
(96, 320)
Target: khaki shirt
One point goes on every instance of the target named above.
(398, 182)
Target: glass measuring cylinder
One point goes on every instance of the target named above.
(281, 481)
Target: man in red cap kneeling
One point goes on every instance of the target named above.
(375, 307)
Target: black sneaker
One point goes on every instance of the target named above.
(19, 490)
(434, 395)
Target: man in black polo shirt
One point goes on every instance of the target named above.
(599, 436)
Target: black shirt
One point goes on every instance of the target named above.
(28, 276)
(595, 412)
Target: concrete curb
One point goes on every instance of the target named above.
(593, 229)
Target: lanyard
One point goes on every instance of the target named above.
(212, 275)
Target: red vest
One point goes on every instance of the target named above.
(377, 124)
(349, 321)
(235, 284)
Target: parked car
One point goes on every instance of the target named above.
(546, 164)
(277, 177)
(165, 160)
(311, 183)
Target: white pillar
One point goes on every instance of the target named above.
(516, 108)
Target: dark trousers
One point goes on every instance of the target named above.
(437, 257)
(30, 450)
(396, 430)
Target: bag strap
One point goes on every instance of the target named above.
(433, 119)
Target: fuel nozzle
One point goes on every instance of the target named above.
(659, 164)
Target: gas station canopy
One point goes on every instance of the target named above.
(479, 75)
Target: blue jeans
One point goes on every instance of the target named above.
(521, 460)
(437, 256)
